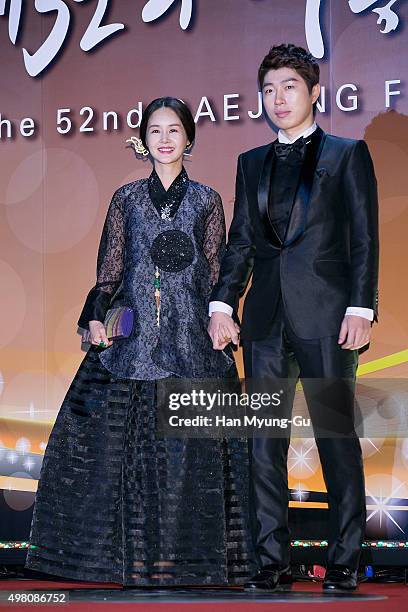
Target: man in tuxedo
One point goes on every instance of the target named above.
(305, 228)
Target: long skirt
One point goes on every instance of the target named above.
(115, 503)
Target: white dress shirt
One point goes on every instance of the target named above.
(366, 313)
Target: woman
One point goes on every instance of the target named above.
(115, 502)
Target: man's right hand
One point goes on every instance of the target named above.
(222, 330)
(98, 333)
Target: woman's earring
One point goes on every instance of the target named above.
(138, 146)
(188, 148)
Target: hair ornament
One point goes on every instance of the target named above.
(138, 146)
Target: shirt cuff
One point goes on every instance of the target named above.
(220, 307)
(366, 313)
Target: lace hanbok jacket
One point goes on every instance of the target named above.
(183, 245)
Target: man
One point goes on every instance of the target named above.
(305, 227)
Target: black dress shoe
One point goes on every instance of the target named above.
(340, 578)
(270, 578)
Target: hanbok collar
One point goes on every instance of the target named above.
(167, 202)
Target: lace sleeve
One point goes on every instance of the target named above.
(214, 236)
(109, 265)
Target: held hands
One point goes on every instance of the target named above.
(355, 332)
(222, 330)
(98, 334)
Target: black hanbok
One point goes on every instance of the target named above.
(116, 502)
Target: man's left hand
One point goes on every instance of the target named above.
(355, 332)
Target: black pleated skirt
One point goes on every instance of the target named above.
(117, 504)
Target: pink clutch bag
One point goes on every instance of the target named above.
(118, 324)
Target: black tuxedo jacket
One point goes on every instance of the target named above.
(328, 259)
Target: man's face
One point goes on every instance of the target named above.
(287, 99)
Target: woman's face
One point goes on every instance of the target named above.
(166, 137)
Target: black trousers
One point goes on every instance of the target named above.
(327, 373)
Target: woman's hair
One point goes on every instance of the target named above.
(290, 56)
(181, 110)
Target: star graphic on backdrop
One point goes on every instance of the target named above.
(28, 464)
(300, 493)
(301, 457)
(382, 508)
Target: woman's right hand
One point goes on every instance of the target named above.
(223, 330)
(98, 334)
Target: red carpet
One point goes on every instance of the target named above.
(396, 594)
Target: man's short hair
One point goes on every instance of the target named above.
(290, 56)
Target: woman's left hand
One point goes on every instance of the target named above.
(98, 334)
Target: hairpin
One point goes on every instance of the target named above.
(138, 146)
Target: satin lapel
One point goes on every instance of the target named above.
(298, 217)
(264, 186)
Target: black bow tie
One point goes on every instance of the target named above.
(295, 150)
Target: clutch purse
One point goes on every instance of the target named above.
(118, 324)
